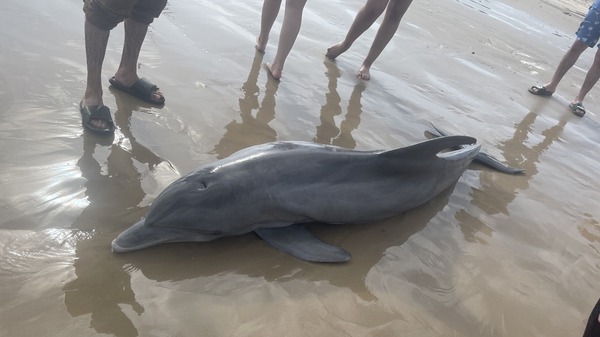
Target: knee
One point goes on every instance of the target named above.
(577, 48)
(295, 4)
(597, 58)
(147, 11)
(373, 9)
(100, 16)
(397, 8)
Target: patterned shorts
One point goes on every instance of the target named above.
(589, 29)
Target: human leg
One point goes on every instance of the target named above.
(363, 20)
(289, 32)
(587, 36)
(96, 40)
(567, 61)
(126, 75)
(591, 78)
(394, 13)
(136, 27)
(94, 115)
(98, 23)
(269, 13)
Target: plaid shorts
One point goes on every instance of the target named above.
(589, 29)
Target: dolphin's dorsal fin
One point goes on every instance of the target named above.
(299, 242)
(430, 147)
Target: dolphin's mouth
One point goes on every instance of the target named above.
(140, 236)
(137, 237)
(116, 246)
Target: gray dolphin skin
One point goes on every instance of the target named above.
(274, 188)
(481, 157)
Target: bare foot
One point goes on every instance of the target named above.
(363, 73)
(261, 45)
(336, 50)
(274, 71)
(99, 123)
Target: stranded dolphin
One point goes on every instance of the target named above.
(273, 188)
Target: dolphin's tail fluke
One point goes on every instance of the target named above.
(483, 158)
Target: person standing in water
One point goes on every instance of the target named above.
(290, 28)
(101, 16)
(588, 35)
(365, 17)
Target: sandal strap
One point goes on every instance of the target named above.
(144, 87)
(103, 113)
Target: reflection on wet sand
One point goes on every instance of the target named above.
(327, 131)
(114, 194)
(252, 130)
(518, 154)
(494, 199)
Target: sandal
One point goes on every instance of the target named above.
(100, 112)
(142, 89)
(577, 108)
(540, 91)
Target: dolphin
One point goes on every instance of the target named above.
(275, 188)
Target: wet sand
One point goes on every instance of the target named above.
(497, 255)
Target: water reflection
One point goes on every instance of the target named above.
(518, 153)
(252, 130)
(493, 197)
(327, 131)
(114, 192)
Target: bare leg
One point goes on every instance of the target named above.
(363, 20)
(394, 13)
(565, 64)
(135, 33)
(270, 10)
(96, 41)
(590, 79)
(289, 33)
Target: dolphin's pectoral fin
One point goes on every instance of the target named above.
(298, 241)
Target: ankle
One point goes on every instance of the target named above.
(91, 98)
(126, 77)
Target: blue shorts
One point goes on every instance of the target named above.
(589, 29)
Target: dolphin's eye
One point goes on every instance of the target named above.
(202, 185)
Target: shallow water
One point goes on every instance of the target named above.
(497, 255)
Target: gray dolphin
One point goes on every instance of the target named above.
(273, 188)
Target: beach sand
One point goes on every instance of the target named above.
(497, 255)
